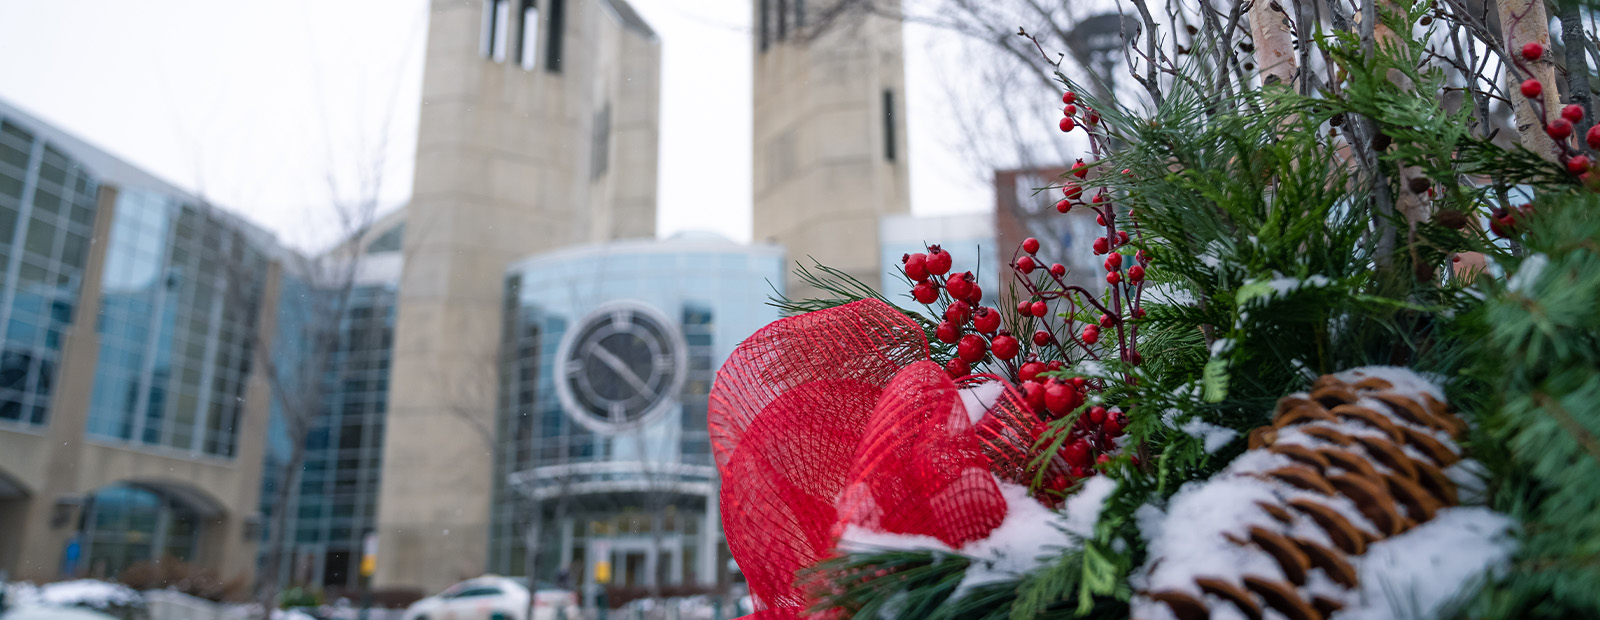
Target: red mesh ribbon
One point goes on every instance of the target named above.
(845, 398)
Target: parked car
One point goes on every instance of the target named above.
(496, 598)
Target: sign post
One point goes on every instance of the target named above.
(369, 565)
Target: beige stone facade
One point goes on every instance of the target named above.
(47, 472)
(830, 135)
(512, 159)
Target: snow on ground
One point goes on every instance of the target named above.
(83, 593)
(1413, 574)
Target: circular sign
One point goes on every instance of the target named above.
(620, 367)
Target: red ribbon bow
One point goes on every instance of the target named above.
(837, 418)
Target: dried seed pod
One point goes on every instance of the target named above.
(1289, 403)
(1262, 437)
(1326, 606)
(1240, 597)
(1408, 410)
(1344, 534)
(1301, 454)
(1282, 597)
(1434, 480)
(1427, 444)
(1329, 435)
(1333, 395)
(1350, 462)
(1373, 383)
(1290, 558)
(1276, 512)
(1302, 477)
(1309, 412)
(1420, 504)
(1389, 455)
(1373, 502)
(1330, 561)
(1370, 418)
(1184, 606)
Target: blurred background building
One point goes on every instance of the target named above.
(511, 375)
(130, 408)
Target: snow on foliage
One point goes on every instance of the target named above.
(1030, 534)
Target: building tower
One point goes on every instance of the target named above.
(830, 133)
(539, 130)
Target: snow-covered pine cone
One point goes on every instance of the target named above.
(1360, 460)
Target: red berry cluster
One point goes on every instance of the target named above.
(1070, 113)
(1090, 439)
(971, 326)
(1559, 128)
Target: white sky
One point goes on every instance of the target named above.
(261, 107)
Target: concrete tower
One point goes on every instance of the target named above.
(539, 130)
(830, 133)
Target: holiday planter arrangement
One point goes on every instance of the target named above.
(1344, 364)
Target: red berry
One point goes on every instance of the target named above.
(958, 312)
(1593, 137)
(1100, 197)
(1100, 219)
(1115, 422)
(1069, 97)
(1578, 164)
(1113, 262)
(1025, 265)
(1069, 110)
(938, 261)
(1136, 274)
(1041, 338)
(1080, 170)
(1531, 88)
(986, 320)
(1532, 51)
(1060, 482)
(1106, 320)
(957, 368)
(1097, 415)
(1030, 371)
(1076, 453)
(1079, 382)
(1122, 237)
(959, 285)
(976, 296)
(1071, 191)
(1058, 270)
(1058, 398)
(1559, 128)
(1030, 245)
(1055, 365)
(1064, 206)
(1005, 347)
(1138, 313)
(947, 332)
(1067, 124)
(917, 266)
(972, 348)
(1033, 394)
(925, 292)
(1113, 278)
(1041, 309)
(1082, 472)
(1573, 113)
(1025, 308)
(1455, 259)
(1091, 334)
(1101, 246)
(1135, 358)
(1094, 118)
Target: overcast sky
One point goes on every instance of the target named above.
(262, 107)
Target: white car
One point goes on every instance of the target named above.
(496, 598)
